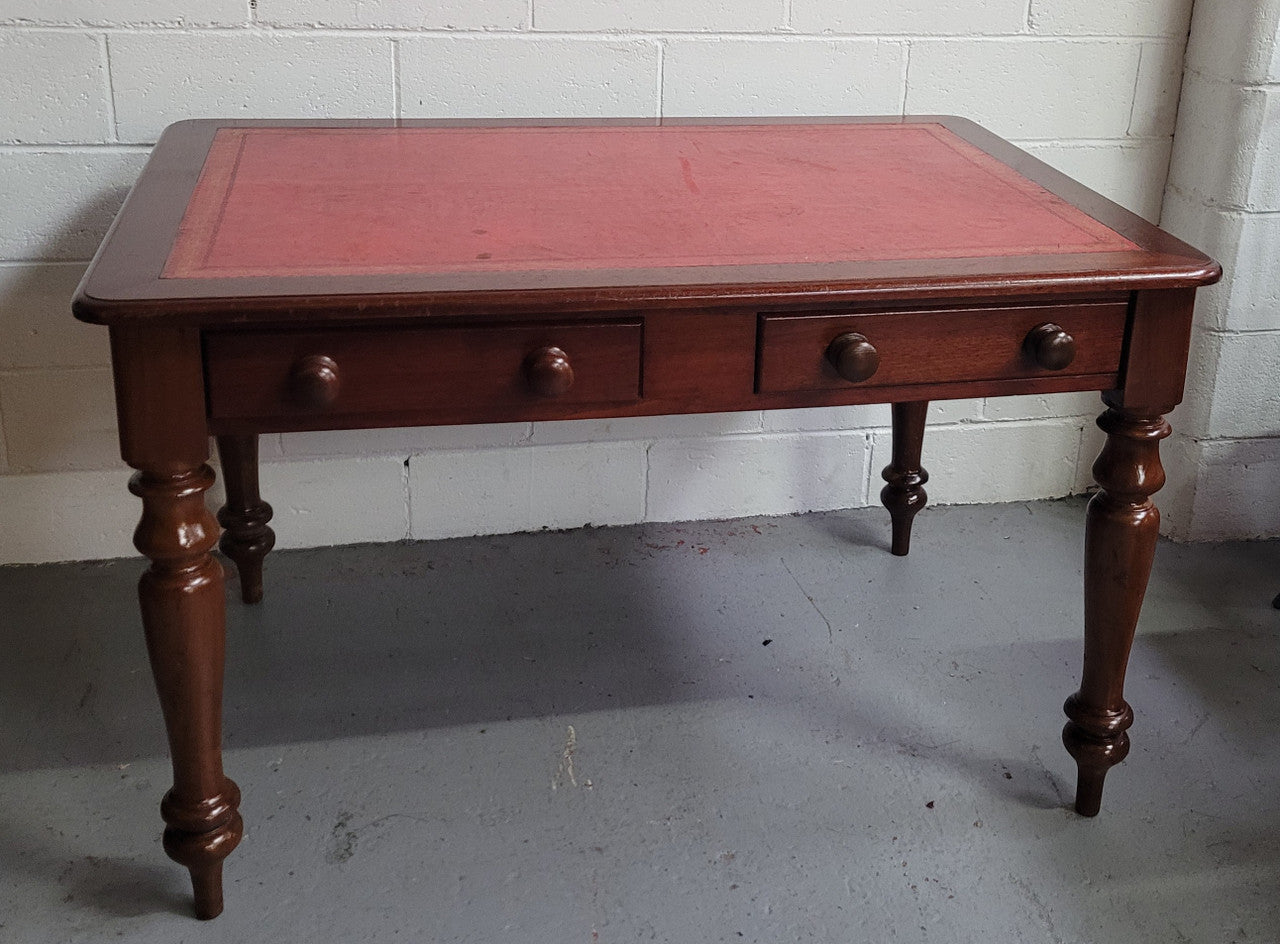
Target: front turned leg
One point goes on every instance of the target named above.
(247, 537)
(183, 613)
(904, 496)
(1121, 528)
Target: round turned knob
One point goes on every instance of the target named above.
(1050, 346)
(548, 372)
(853, 356)
(314, 381)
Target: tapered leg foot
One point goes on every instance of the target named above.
(206, 881)
(247, 538)
(201, 850)
(1094, 754)
(1089, 790)
(904, 495)
(1121, 528)
(183, 614)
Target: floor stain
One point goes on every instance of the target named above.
(342, 843)
(565, 775)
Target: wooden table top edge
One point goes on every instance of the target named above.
(111, 292)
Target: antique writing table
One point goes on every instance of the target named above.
(274, 276)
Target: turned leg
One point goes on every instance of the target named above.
(160, 406)
(904, 496)
(183, 616)
(1121, 528)
(247, 537)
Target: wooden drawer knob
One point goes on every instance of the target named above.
(548, 372)
(315, 382)
(853, 356)
(1050, 346)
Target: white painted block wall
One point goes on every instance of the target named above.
(1091, 87)
(1224, 194)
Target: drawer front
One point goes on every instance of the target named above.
(831, 351)
(438, 374)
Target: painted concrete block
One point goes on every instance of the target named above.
(1235, 40)
(396, 14)
(499, 491)
(587, 483)
(1159, 86)
(60, 419)
(1248, 297)
(1027, 89)
(1180, 457)
(66, 516)
(335, 501)
(36, 327)
(1189, 217)
(159, 78)
(58, 204)
(1235, 494)
(1254, 287)
(827, 418)
(910, 17)
(55, 87)
(1092, 439)
(1205, 163)
(954, 411)
(1264, 188)
(1131, 175)
(782, 77)
(720, 16)
(1216, 166)
(402, 441)
(516, 76)
(646, 427)
(995, 462)
(125, 12)
(873, 415)
(1218, 233)
(770, 474)
(1246, 400)
(456, 493)
(1042, 406)
(1193, 415)
(1111, 17)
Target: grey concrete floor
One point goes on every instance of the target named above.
(759, 730)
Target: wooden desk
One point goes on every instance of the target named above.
(264, 277)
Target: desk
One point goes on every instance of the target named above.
(275, 276)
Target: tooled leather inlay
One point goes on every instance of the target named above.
(362, 201)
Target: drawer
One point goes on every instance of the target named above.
(831, 351)
(424, 375)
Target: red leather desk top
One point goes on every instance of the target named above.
(291, 201)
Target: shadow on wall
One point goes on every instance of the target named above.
(85, 226)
